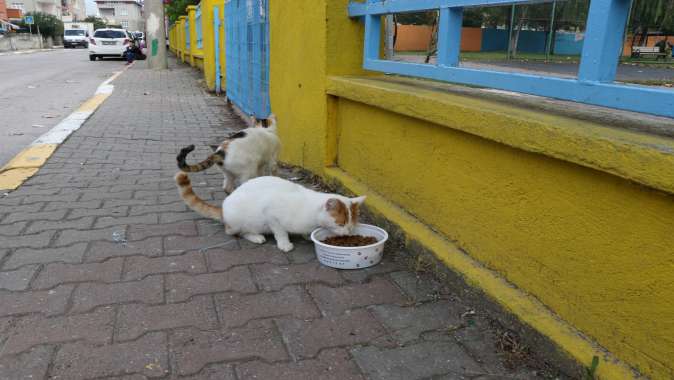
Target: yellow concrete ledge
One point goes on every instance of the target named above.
(635, 156)
(24, 165)
(527, 308)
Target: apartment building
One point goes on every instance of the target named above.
(127, 13)
(52, 7)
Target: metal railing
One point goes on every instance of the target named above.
(187, 35)
(594, 85)
(197, 20)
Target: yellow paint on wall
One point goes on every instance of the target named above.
(207, 27)
(595, 248)
(635, 156)
(191, 16)
(524, 306)
(297, 85)
(304, 49)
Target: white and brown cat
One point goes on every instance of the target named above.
(272, 205)
(249, 153)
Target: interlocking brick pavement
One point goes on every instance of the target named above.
(104, 273)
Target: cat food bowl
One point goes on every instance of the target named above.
(342, 257)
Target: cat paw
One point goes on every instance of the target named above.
(285, 246)
(255, 238)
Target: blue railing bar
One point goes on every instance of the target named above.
(449, 36)
(627, 97)
(216, 42)
(396, 6)
(603, 40)
(372, 36)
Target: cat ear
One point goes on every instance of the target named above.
(214, 147)
(332, 204)
(358, 200)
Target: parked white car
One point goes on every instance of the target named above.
(75, 37)
(108, 43)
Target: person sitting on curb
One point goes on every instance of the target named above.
(133, 52)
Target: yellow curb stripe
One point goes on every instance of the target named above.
(527, 308)
(93, 103)
(24, 165)
(13, 178)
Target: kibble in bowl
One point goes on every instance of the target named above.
(361, 250)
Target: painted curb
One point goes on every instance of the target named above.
(27, 162)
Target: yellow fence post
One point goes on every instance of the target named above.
(191, 13)
(208, 30)
(297, 80)
(181, 38)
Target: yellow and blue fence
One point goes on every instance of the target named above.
(555, 211)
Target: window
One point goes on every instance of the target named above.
(123, 11)
(18, 6)
(125, 24)
(75, 32)
(103, 33)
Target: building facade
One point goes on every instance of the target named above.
(74, 10)
(52, 7)
(3, 11)
(127, 13)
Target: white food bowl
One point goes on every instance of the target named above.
(350, 257)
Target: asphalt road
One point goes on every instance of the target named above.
(40, 89)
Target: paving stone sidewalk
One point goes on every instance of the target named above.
(104, 273)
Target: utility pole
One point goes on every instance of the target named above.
(156, 34)
(389, 27)
(548, 45)
(510, 32)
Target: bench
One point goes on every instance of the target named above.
(645, 51)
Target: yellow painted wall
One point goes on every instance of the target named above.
(297, 79)
(304, 50)
(194, 51)
(181, 38)
(583, 221)
(595, 248)
(208, 64)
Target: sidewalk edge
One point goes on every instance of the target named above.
(27, 162)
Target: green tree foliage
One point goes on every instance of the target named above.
(652, 15)
(49, 25)
(97, 21)
(177, 8)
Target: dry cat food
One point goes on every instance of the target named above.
(350, 240)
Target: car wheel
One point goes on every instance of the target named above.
(92, 57)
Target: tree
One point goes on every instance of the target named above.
(97, 21)
(177, 8)
(49, 25)
(651, 15)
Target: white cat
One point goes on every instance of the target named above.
(274, 205)
(243, 155)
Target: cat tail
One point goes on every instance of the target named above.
(203, 165)
(193, 201)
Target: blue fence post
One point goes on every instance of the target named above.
(449, 36)
(603, 40)
(198, 26)
(216, 41)
(187, 35)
